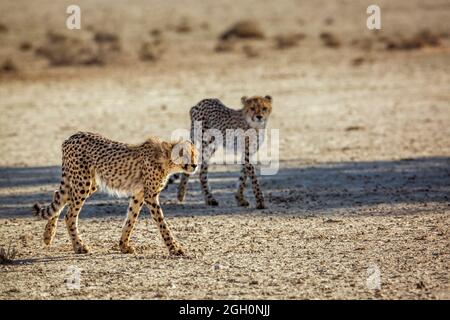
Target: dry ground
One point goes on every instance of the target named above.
(364, 173)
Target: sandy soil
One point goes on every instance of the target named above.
(364, 175)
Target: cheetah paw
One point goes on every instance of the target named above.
(48, 240)
(127, 249)
(81, 249)
(261, 206)
(242, 202)
(212, 202)
(177, 251)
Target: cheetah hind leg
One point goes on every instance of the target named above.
(59, 202)
(208, 151)
(78, 196)
(50, 230)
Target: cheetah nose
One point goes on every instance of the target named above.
(259, 117)
(193, 166)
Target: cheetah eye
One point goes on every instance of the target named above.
(264, 109)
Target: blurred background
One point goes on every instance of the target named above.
(341, 91)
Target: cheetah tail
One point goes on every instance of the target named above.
(59, 201)
(182, 187)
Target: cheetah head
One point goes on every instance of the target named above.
(257, 110)
(184, 157)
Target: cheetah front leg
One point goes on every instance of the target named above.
(241, 188)
(71, 219)
(248, 170)
(256, 188)
(152, 202)
(134, 208)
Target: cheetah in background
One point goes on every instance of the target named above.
(213, 114)
(140, 170)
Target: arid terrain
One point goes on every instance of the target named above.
(364, 149)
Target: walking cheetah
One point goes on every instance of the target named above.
(140, 170)
(213, 114)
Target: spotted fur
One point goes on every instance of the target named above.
(140, 170)
(213, 114)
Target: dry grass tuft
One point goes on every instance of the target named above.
(250, 52)
(246, 29)
(423, 38)
(62, 50)
(8, 66)
(364, 43)
(284, 41)
(106, 37)
(25, 46)
(225, 46)
(330, 40)
(183, 27)
(156, 32)
(7, 256)
(3, 28)
(356, 62)
(151, 51)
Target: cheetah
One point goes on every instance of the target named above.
(213, 114)
(89, 160)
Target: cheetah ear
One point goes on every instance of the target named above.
(244, 100)
(268, 98)
(167, 149)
